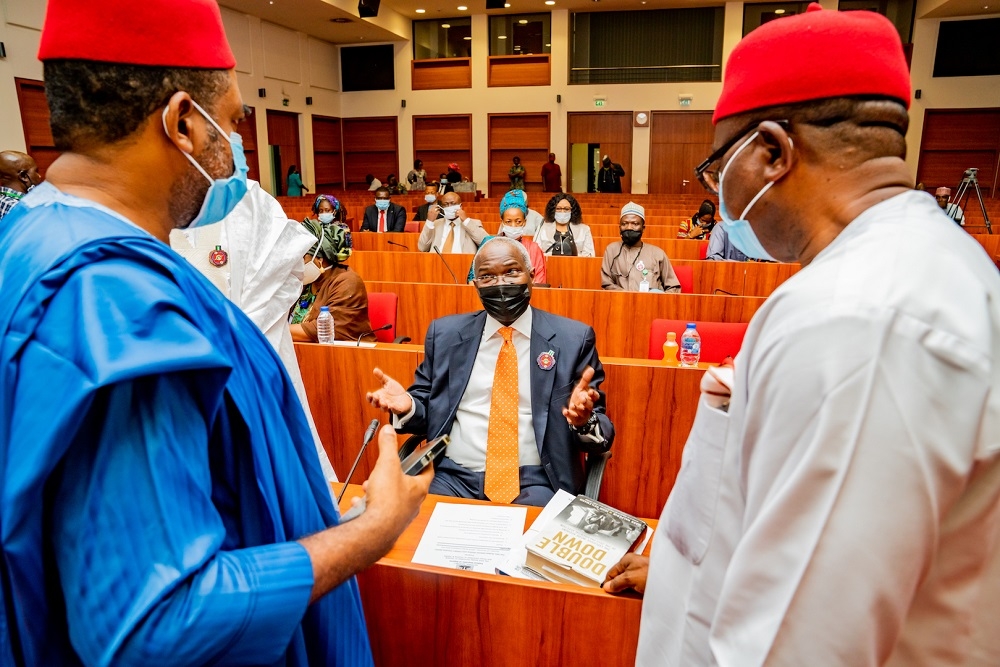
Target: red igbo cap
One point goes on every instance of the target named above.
(813, 56)
(160, 33)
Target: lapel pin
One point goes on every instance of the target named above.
(547, 360)
(218, 257)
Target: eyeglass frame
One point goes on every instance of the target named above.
(717, 155)
(505, 279)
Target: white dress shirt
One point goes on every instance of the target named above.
(845, 510)
(457, 237)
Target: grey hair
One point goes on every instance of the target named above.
(510, 242)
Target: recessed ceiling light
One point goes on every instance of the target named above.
(550, 2)
(445, 25)
(421, 11)
(779, 11)
(501, 36)
(548, 45)
(340, 19)
(506, 5)
(462, 8)
(523, 21)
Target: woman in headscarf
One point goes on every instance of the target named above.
(327, 209)
(701, 223)
(563, 231)
(513, 216)
(329, 282)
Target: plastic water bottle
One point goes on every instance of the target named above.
(324, 326)
(690, 346)
(670, 349)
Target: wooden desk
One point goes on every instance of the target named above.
(652, 407)
(425, 615)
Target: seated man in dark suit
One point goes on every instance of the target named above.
(511, 384)
(430, 198)
(383, 215)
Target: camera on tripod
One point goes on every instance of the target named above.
(970, 184)
(971, 172)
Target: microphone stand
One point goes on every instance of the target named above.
(396, 244)
(369, 434)
(453, 277)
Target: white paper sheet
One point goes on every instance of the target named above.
(513, 565)
(470, 537)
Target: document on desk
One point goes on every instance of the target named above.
(470, 537)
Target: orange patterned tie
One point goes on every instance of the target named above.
(449, 239)
(503, 483)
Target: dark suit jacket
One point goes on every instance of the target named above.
(450, 349)
(422, 210)
(395, 219)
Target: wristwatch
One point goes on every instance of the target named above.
(588, 427)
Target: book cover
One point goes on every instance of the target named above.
(582, 542)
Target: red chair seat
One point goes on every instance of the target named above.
(685, 276)
(382, 310)
(718, 339)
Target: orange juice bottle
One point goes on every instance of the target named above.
(670, 350)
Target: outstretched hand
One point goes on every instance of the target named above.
(628, 573)
(581, 402)
(390, 396)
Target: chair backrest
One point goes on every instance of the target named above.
(413, 226)
(685, 276)
(382, 310)
(703, 250)
(718, 339)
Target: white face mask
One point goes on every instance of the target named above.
(512, 232)
(562, 217)
(451, 212)
(325, 218)
(311, 273)
(430, 199)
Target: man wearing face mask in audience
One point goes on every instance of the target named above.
(450, 229)
(516, 387)
(384, 215)
(163, 503)
(430, 197)
(634, 266)
(18, 176)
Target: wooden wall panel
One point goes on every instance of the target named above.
(283, 133)
(533, 70)
(954, 140)
(679, 141)
(248, 130)
(525, 135)
(371, 146)
(612, 130)
(441, 140)
(35, 122)
(328, 156)
(441, 73)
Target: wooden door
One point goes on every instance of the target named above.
(679, 141)
(525, 135)
(283, 133)
(612, 130)
(328, 157)
(371, 146)
(248, 130)
(35, 121)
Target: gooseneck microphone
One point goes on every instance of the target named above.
(399, 244)
(369, 434)
(384, 327)
(435, 248)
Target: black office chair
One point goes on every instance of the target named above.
(595, 465)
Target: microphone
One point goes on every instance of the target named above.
(399, 244)
(435, 248)
(384, 327)
(717, 290)
(369, 434)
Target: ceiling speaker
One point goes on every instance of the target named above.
(368, 9)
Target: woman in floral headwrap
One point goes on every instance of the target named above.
(513, 214)
(329, 282)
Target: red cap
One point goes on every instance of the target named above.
(162, 33)
(813, 56)
(454, 166)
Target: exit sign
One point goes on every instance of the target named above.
(599, 103)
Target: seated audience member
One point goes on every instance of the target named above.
(430, 198)
(953, 211)
(444, 185)
(563, 231)
(416, 179)
(328, 209)
(394, 186)
(721, 249)
(373, 183)
(329, 282)
(532, 219)
(453, 175)
(449, 228)
(701, 223)
(632, 265)
(384, 215)
(18, 175)
(513, 208)
(519, 421)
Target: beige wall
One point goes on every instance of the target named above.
(291, 64)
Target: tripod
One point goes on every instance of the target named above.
(969, 183)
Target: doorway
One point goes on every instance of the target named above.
(599, 133)
(585, 160)
(283, 147)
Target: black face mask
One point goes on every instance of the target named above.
(631, 236)
(505, 303)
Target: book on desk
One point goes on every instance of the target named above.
(583, 542)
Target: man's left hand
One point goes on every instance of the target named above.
(581, 402)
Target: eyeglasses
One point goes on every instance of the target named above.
(709, 178)
(508, 278)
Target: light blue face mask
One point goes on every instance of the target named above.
(223, 193)
(740, 232)
(382, 204)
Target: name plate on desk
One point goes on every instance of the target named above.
(464, 186)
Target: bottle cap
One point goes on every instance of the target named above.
(690, 325)
(671, 335)
(324, 309)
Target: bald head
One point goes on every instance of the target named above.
(18, 171)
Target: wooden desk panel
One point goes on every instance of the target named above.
(651, 406)
(462, 618)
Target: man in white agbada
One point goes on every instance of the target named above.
(260, 271)
(841, 506)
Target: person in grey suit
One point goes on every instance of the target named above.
(561, 410)
(449, 228)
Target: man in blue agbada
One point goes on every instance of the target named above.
(161, 502)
